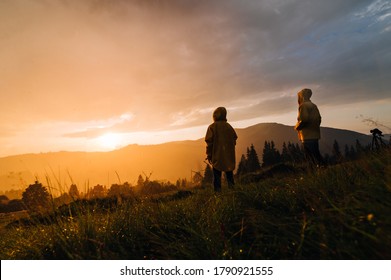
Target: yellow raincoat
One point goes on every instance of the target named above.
(308, 119)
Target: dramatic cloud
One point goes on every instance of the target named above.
(169, 63)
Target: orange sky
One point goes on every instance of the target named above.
(97, 75)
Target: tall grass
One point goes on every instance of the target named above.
(338, 212)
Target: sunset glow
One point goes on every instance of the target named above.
(109, 140)
(154, 132)
(100, 75)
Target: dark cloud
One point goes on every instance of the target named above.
(170, 62)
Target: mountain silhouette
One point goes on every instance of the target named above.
(167, 161)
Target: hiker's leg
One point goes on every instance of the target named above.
(217, 180)
(230, 178)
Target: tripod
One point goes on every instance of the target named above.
(377, 141)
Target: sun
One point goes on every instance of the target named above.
(109, 140)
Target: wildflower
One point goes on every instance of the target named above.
(370, 217)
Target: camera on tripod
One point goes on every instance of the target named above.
(377, 141)
(376, 132)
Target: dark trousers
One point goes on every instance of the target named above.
(312, 153)
(217, 179)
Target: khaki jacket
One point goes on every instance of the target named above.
(221, 140)
(308, 120)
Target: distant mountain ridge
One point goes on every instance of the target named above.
(167, 161)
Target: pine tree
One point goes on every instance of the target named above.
(271, 155)
(140, 181)
(74, 192)
(336, 152)
(359, 148)
(276, 154)
(242, 167)
(208, 175)
(299, 153)
(285, 157)
(184, 183)
(353, 153)
(350, 153)
(253, 164)
(347, 152)
(292, 152)
(266, 156)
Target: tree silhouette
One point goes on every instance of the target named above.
(271, 155)
(242, 167)
(13, 205)
(208, 175)
(197, 178)
(98, 191)
(120, 191)
(253, 164)
(285, 155)
(350, 153)
(337, 155)
(184, 183)
(64, 198)
(359, 148)
(74, 192)
(296, 153)
(140, 181)
(36, 198)
(155, 187)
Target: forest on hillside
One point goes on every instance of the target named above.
(287, 210)
(37, 197)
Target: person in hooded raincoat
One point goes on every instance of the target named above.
(220, 141)
(308, 126)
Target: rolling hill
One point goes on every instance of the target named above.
(168, 161)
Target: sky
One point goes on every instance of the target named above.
(96, 75)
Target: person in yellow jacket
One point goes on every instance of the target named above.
(220, 141)
(308, 126)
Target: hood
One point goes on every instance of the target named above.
(305, 94)
(220, 114)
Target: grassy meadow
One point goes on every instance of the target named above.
(341, 211)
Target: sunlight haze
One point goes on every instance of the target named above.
(99, 75)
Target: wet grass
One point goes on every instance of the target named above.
(338, 212)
